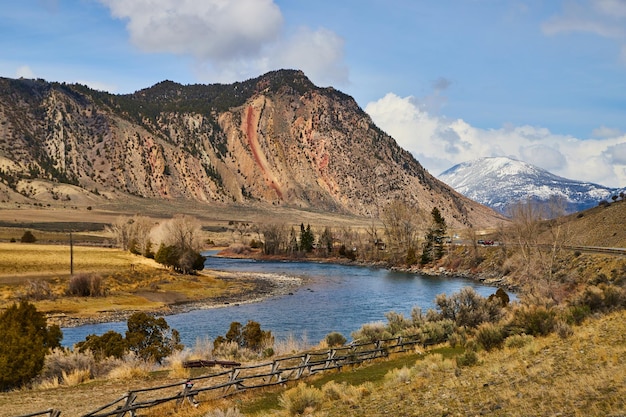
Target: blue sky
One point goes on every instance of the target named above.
(543, 81)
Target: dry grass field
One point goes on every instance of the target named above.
(41, 274)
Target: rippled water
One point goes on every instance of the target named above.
(335, 298)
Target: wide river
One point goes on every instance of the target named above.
(333, 298)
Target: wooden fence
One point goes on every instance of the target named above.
(242, 378)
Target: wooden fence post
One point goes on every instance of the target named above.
(233, 376)
(186, 394)
(130, 399)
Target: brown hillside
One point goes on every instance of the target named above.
(599, 226)
(274, 141)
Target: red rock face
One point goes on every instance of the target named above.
(287, 142)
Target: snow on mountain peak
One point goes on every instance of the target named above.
(499, 182)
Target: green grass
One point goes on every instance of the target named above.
(375, 372)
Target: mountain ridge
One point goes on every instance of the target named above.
(500, 182)
(272, 140)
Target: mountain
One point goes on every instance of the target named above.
(499, 182)
(275, 140)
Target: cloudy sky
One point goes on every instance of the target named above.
(543, 81)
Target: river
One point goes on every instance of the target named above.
(333, 298)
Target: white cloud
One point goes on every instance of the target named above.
(617, 153)
(318, 53)
(605, 18)
(209, 29)
(605, 132)
(439, 143)
(24, 72)
(231, 40)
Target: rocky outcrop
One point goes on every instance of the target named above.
(274, 140)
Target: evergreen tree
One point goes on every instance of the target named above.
(150, 337)
(25, 340)
(28, 237)
(307, 239)
(110, 344)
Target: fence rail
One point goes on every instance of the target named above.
(242, 378)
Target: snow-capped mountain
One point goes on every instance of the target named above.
(499, 182)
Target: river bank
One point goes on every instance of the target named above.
(251, 288)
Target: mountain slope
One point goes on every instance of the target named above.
(499, 182)
(274, 140)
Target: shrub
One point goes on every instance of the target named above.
(396, 322)
(439, 331)
(332, 390)
(604, 297)
(563, 329)
(371, 332)
(469, 358)
(230, 412)
(398, 376)
(61, 363)
(249, 336)
(468, 308)
(490, 336)
(301, 399)
(38, 290)
(86, 285)
(518, 340)
(334, 339)
(533, 320)
(76, 377)
(131, 368)
(576, 314)
(25, 340)
(110, 344)
(28, 237)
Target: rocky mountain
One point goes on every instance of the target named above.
(273, 140)
(499, 182)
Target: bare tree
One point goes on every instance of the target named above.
(558, 232)
(274, 237)
(183, 232)
(140, 229)
(402, 227)
(121, 230)
(524, 229)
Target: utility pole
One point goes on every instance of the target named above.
(71, 256)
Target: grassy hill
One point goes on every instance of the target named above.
(599, 226)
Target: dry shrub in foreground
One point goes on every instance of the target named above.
(301, 399)
(62, 363)
(291, 345)
(86, 285)
(75, 377)
(130, 368)
(229, 412)
(347, 394)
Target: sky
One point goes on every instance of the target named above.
(542, 81)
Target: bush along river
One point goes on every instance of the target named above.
(332, 297)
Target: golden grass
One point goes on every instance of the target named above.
(580, 376)
(130, 282)
(583, 375)
(38, 260)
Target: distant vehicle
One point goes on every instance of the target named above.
(486, 242)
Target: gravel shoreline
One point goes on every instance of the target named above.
(264, 286)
